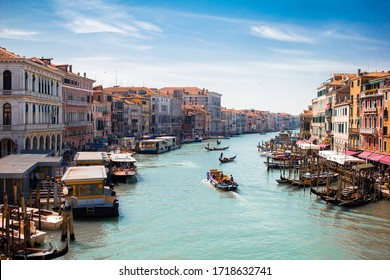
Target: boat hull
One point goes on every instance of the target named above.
(222, 186)
(89, 211)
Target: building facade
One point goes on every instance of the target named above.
(77, 98)
(30, 103)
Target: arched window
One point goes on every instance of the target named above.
(386, 114)
(7, 80)
(7, 114)
(33, 83)
(26, 81)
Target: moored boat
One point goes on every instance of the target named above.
(123, 167)
(86, 186)
(221, 181)
(47, 219)
(41, 253)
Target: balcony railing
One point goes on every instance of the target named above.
(77, 103)
(365, 130)
(353, 131)
(79, 123)
(369, 110)
(5, 127)
(30, 93)
(31, 127)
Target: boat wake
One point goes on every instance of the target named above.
(228, 193)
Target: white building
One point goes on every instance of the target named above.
(340, 125)
(30, 104)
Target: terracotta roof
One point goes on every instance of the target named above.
(4, 54)
(133, 90)
(188, 90)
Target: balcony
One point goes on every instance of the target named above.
(79, 123)
(353, 131)
(23, 93)
(371, 131)
(32, 127)
(77, 103)
(5, 127)
(370, 110)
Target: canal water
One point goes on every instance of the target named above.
(172, 213)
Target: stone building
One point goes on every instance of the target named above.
(30, 104)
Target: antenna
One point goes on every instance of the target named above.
(116, 77)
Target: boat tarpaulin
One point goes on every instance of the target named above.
(365, 155)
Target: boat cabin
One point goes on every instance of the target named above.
(153, 146)
(86, 184)
(91, 158)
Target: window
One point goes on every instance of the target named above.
(7, 114)
(26, 81)
(7, 80)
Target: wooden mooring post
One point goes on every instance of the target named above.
(67, 217)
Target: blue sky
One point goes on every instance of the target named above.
(266, 55)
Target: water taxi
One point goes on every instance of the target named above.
(86, 186)
(152, 146)
(123, 167)
(172, 142)
(221, 181)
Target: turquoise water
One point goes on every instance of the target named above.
(173, 213)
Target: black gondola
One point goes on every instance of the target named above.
(41, 254)
(226, 159)
(216, 149)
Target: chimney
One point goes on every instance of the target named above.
(78, 73)
(70, 68)
(359, 72)
(85, 74)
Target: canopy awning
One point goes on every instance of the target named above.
(352, 153)
(365, 155)
(367, 166)
(375, 157)
(385, 160)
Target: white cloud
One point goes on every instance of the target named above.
(147, 26)
(292, 52)
(17, 34)
(85, 25)
(278, 34)
(103, 17)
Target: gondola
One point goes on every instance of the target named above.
(283, 180)
(41, 254)
(331, 192)
(216, 149)
(226, 159)
(356, 202)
